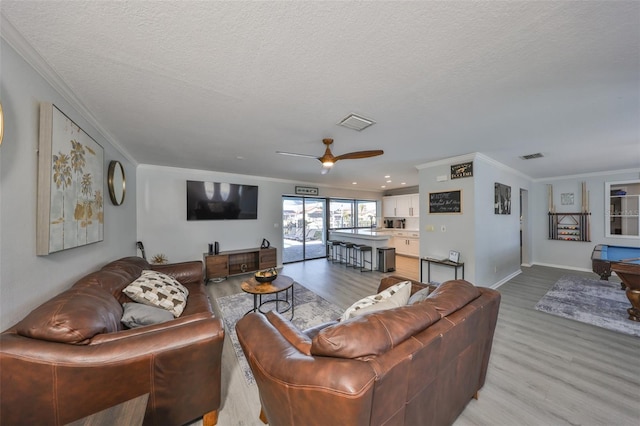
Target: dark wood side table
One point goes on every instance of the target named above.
(129, 413)
(445, 262)
(282, 283)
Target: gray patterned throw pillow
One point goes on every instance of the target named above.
(160, 290)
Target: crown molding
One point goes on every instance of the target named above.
(11, 35)
(471, 157)
(587, 175)
(239, 176)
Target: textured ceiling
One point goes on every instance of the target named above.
(224, 85)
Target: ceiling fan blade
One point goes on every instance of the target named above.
(359, 154)
(293, 154)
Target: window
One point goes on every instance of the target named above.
(366, 213)
(340, 214)
(352, 213)
(622, 219)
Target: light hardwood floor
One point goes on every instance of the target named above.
(544, 370)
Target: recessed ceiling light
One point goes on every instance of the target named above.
(383, 186)
(240, 157)
(354, 183)
(387, 177)
(389, 181)
(403, 183)
(356, 122)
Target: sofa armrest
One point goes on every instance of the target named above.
(293, 385)
(184, 272)
(57, 383)
(387, 282)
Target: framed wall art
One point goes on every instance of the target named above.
(502, 201)
(70, 210)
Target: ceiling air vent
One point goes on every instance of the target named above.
(356, 122)
(532, 156)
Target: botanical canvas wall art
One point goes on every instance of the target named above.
(70, 184)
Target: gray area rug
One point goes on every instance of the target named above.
(597, 302)
(310, 310)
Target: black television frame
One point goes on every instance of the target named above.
(221, 201)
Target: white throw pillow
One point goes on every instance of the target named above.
(160, 290)
(395, 296)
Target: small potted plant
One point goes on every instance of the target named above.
(159, 259)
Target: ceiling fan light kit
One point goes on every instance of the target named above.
(328, 159)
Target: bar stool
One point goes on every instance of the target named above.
(329, 250)
(354, 255)
(362, 249)
(335, 251)
(345, 255)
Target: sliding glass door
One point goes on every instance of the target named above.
(303, 228)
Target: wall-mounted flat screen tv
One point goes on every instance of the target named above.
(221, 201)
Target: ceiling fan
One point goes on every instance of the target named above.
(328, 159)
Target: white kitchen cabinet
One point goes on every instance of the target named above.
(401, 205)
(415, 205)
(389, 206)
(406, 243)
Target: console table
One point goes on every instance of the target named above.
(234, 262)
(445, 262)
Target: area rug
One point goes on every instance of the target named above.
(597, 302)
(310, 309)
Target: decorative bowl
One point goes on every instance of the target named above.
(266, 276)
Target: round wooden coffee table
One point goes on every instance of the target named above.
(282, 283)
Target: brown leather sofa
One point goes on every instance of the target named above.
(417, 364)
(80, 359)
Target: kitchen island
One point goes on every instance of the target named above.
(371, 237)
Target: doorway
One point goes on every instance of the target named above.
(303, 228)
(525, 255)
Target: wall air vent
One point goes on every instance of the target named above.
(356, 122)
(532, 156)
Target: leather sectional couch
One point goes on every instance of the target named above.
(72, 357)
(417, 364)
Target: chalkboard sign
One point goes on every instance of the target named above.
(445, 202)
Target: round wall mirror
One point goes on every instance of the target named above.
(116, 182)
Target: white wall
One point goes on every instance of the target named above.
(162, 217)
(574, 254)
(497, 244)
(489, 244)
(459, 228)
(26, 280)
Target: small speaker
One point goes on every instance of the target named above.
(210, 248)
(216, 248)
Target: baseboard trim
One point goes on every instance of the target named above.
(505, 279)
(572, 268)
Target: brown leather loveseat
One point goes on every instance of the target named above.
(417, 364)
(72, 357)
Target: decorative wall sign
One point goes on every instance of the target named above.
(462, 170)
(306, 190)
(445, 202)
(70, 185)
(502, 199)
(567, 198)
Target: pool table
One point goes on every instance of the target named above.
(604, 255)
